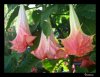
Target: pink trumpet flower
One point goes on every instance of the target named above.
(77, 43)
(24, 37)
(49, 48)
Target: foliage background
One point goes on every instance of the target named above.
(58, 17)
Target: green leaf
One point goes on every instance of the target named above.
(27, 63)
(12, 17)
(16, 55)
(46, 27)
(87, 10)
(62, 8)
(9, 63)
(36, 16)
(93, 56)
(94, 71)
(11, 6)
(45, 21)
(47, 11)
(88, 25)
(7, 51)
(81, 70)
(49, 64)
(87, 17)
(7, 60)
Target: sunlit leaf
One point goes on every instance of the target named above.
(49, 64)
(11, 6)
(12, 17)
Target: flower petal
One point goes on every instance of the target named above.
(24, 37)
(48, 48)
(77, 43)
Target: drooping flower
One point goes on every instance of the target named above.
(24, 37)
(77, 43)
(85, 61)
(49, 48)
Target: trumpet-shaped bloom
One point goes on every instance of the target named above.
(49, 48)
(77, 43)
(24, 37)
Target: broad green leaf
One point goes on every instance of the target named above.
(7, 60)
(36, 16)
(7, 51)
(93, 56)
(88, 26)
(49, 64)
(87, 10)
(45, 21)
(81, 70)
(62, 8)
(27, 63)
(46, 27)
(16, 55)
(94, 71)
(9, 63)
(50, 10)
(87, 17)
(11, 6)
(12, 17)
